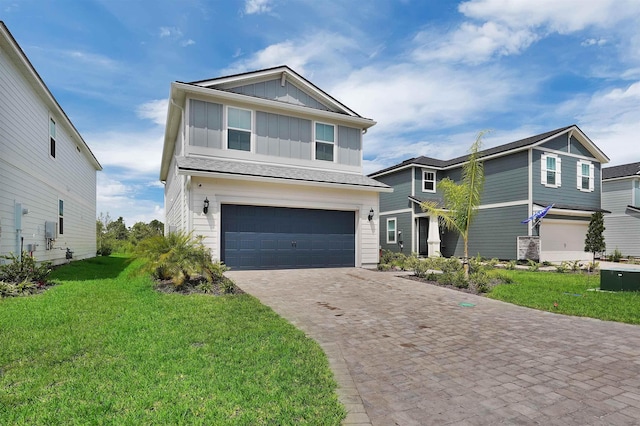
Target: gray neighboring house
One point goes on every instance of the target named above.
(621, 196)
(267, 167)
(559, 167)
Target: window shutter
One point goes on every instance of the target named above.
(592, 181)
(558, 172)
(543, 169)
(579, 174)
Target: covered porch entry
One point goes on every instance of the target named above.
(427, 237)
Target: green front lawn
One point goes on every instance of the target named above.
(105, 348)
(569, 294)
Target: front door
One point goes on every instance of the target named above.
(423, 235)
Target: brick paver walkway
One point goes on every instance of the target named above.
(407, 353)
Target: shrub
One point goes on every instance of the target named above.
(411, 262)
(501, 278)
(421, 268)
(180, 258)
(562, 268)
(615, 256)
(593, 266)
(384, 267)
(511, 265)
(24, 269)
(533, 265)
(481, 281)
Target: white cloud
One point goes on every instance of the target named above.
(257, 6)
(126, 200)
(594, 42)
(187, 43)
(172, 32)
(611, 118)
(321, 53)
(502, 28)
(155, 111)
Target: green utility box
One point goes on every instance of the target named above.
(620, 279)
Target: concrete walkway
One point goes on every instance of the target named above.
(408, 353)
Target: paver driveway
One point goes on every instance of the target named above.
(407, 353)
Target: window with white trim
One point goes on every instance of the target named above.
(392, 234)
(52, 137)
(239, 129)
(325, 141)
(585, 178)
(551, 170)
(428, 181)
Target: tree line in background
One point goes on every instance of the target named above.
(113, 236)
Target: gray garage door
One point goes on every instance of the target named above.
(258, 237)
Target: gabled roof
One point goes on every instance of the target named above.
(237, 169)
(20, 60)
(282, 72)
(218, 88)
(625, 170)
(500, 150)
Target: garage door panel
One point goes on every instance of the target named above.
(259, 237)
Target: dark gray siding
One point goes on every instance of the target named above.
(205, 124)
(283, 136)
(349, 147)
(560, 143)
(506, 179)
(579, 149)
(568, 193)
(493, 233)
(274, 90)
(404, 225)
(417, 176)
(401, 184)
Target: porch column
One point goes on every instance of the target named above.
(433, 240)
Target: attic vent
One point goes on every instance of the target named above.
(283, 79)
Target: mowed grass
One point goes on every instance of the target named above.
(105, 348)
(569, 294)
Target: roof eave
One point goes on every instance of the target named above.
(239, 176)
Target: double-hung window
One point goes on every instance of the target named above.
(551, 170)
(325, 141)
(585, 177)
(52, 137)
(428, 181)
(392, 235)
(239, 129)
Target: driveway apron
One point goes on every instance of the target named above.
(409, 353)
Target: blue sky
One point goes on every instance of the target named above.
(432, 73)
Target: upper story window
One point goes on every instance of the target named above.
(586, 181)
(391, 231)
(325, 141)
(52, 137)
(428, 181)
(239, 129)
(551, 170)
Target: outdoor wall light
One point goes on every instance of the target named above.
(370, 217)
(205, 209)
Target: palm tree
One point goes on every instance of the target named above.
(461, 200)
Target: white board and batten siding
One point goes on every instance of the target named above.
(30, 176)
(227, 191)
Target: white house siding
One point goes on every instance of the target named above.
(622, 225)
(174, 204)
(227, 191)
(30, 176)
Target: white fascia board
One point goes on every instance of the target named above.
(619, 178)
(363, 123)
(575, 131)
(281, 181)
(282, 72)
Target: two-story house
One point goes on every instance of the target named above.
(559, 168)
(621, 196)
(267, 167)
(47, 171)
